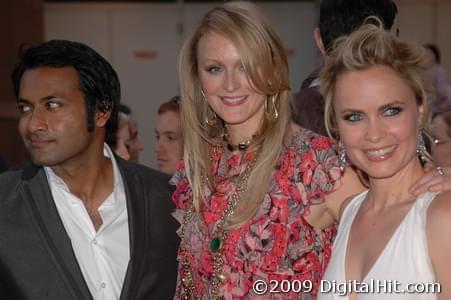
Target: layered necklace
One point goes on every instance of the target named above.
(219, 237)
(242, 146)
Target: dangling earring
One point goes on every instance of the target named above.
(211, 119)
(341, 156)
(273, 100)
(272, 116)
(421, 147)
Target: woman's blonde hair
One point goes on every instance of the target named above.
(372, 46)
(367, 47)
(263, 57)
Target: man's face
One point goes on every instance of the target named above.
(53, 122)
(169, 146)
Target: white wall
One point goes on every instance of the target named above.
(141, 41)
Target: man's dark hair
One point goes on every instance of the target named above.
(341, 17)
(97, 79)
(125, 109)
(435, 50)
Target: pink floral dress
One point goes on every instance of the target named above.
(277, 243)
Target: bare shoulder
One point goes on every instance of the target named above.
(438, 232)
(439, 213)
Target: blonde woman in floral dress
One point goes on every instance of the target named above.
(256, 195)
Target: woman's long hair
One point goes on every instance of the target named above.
(263, 57)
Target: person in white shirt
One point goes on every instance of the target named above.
(79, 222)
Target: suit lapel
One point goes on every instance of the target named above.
(35, 190)
(137, 223)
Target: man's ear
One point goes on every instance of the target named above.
(102, 117)
(318, 40)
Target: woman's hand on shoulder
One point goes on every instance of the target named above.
(438, 232)
(435, 179)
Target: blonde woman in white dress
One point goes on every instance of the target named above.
(376, 107)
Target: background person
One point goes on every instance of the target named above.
(440, 100)
(120, 139)
(336, 18)
(375, 88)
(134, 145)
(441, 132)
(169, 145)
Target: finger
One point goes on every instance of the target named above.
(446, 170)
(420, 184)
(429, 180)
(445, 185)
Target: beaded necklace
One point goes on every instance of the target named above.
(219, 237)
(242, 146)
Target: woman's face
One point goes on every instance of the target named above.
(226, 85)
(377, 118)
(441, 148)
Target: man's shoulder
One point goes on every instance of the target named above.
(11, 179)
(146, 173)
(18, 173)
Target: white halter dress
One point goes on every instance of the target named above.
(404, 259)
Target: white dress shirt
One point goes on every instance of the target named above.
(102, 255)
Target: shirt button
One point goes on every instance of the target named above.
(94, 241)
(103, 285)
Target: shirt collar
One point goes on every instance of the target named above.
(118, 183)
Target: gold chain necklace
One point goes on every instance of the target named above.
(217, 242)
(242, 146)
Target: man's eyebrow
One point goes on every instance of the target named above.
(49, 97)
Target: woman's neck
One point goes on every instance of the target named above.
(385, 192)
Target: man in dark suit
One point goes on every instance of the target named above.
(78, 222)
(336, 18)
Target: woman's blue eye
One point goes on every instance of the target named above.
(354, 117)
(392, 111)
(214, 69)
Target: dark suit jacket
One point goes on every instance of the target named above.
(36, 257)
(309, 106)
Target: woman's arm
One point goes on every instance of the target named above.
(325, 214)
(438, 231)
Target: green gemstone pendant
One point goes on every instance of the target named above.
(215, 244)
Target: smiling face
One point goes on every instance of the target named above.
(227, 87)
(53, 122)
(377, 118)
